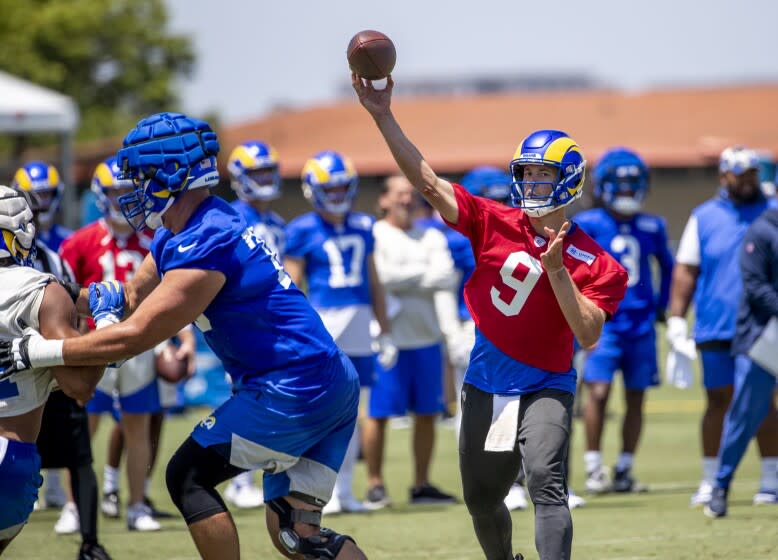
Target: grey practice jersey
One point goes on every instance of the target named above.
(21, 294)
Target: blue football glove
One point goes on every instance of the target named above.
(106, 301)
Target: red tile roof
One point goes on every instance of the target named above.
(670, 128)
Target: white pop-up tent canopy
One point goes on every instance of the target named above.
(27, 108)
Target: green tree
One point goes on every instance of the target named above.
(115, 58)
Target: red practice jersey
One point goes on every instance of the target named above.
(95, 254)
(510, 296)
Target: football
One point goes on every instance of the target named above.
(170, 368)
(371, 54)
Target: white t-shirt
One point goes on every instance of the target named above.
(689, 246)
(413, 265)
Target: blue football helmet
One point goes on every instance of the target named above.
(16, 225)
(165, 155)
(488, 182)
(41, 181)
(330, 182)
(106, 178)
(254, 170)
(621, 180)
(556, 149)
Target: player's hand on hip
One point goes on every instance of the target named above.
(387, 351)
(552, 257)
(376, 101)
(106, 302)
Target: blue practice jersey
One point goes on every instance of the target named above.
(260, 325)
(721, 225)
(634, 242)
(267, 225)
(54, 237)
(335, 257)
(461, 253)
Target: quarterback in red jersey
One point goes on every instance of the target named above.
(538, 282)
(110, 249)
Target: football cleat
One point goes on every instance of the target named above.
(574, 500)
(245, 496)
(598, 481)
(139, 519)
(717, 505)
(516, 498)
(377, 498)
(344, 504)
(623, 482)
(766, 498)
(429, 494)
(68, 522)
(156, 513)
(110, 505)
(703, 494)
(93, 551)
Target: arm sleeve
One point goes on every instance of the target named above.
(689, 246)
(665, 259)
(755, 260)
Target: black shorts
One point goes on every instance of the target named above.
(64, 438)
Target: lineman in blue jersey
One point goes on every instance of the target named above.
(707, 270)
(42, 182)
(256, 179)
(331, 249)
(628, 340)
(295, 404)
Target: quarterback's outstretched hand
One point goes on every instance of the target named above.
(552, 257)
(106, 302)
(376, 101)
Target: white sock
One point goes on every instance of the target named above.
(110, 479)
(709, 467)
(346, 473)
(244, 479)
(624, 462)
(592, 461)
(769, 480)
(146, 485)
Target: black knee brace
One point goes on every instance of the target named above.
(192, 476)
(324, 546)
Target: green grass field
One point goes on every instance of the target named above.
(658, 524)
